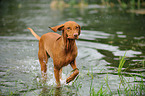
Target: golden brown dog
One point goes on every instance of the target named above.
(61, 48)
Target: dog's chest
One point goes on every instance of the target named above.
(64, 59)
(70, 57)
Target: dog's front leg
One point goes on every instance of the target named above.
(57, 76)
(75, 72)
(60, 74)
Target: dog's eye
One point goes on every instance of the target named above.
(68, 28)
(77, 27)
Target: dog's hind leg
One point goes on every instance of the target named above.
(43, 59)
(57, 76)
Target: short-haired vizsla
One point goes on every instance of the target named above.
(61, 48)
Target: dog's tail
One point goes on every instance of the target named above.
(34, 33)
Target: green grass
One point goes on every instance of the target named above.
(125, 88)
(122, 62)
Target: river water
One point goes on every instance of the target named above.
(107, 34)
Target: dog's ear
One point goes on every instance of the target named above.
(79, 30)
(59, 27)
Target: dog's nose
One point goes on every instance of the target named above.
(75, 34)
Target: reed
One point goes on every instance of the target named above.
(122, 61)
(129, 88)
(138, 4)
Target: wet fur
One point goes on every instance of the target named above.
(61, 48)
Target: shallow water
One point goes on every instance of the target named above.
(106, 35)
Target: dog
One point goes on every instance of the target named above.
(61, 48)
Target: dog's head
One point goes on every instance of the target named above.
(71, 29)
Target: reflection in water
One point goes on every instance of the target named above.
(58, 92)
(51, 91)
(62, 91)
(58, 5)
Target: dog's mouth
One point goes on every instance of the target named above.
(72, 38)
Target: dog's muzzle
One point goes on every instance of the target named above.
(75, 36)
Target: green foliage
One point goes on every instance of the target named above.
(128, 89)
(138, 4)
(78, 85)
(72, 2)
(124, 4)
(122, 61)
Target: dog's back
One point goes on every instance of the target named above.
(61, 48)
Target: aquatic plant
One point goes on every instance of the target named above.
(128, 89)
(122, 61)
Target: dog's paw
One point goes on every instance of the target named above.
(72, 76)
(69, 79)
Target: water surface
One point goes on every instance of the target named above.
(106, 35)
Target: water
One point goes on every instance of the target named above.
(106, 35)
